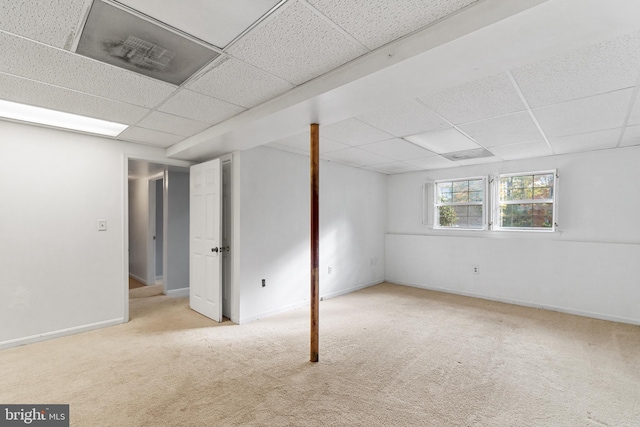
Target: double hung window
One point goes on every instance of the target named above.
(526, 201)
(460, 204)
(518, 201)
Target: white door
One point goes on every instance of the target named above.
(205, 224)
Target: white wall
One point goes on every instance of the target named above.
(591, 266)
(139, 230)
(58, 273)
(275, 223)
(177, 232)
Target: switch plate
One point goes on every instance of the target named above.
(102, 225)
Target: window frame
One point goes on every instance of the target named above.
(495, 190)
(484, 204)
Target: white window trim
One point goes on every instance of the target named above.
(433, 222)
(495, 191)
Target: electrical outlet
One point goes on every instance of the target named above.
(476, 269)
(102, 225)
(264, 282)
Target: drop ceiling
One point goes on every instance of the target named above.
(397, 86)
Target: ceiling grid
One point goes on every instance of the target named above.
(542, 86)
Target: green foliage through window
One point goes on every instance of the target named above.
(460, 203)
(526, 201)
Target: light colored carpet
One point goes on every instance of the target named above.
(133, 283)
(389, 356)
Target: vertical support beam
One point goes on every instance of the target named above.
(315, 239)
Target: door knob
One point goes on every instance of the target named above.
(214, 249)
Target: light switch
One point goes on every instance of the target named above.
(102, 225)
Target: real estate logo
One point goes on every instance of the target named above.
(34, 415)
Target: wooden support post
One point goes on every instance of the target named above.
(315, 239)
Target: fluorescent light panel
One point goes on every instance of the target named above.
(44, 116)
(443, 141)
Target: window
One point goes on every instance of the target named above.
(526, 201)
(460, 204)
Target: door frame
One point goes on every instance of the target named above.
(125, 218)
(152, 246)
(234, 274)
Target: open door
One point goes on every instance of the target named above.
(205, 244)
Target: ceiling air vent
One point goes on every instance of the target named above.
(476, 153)
(120, 37)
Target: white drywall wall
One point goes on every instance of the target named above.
(591, 266)
(59, 274)
(274, 229)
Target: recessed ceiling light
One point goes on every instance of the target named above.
(443, 141)
(58, 119)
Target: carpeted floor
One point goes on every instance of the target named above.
(134, 284)
(390, 356)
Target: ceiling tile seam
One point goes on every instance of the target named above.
(86, 58)
(75, 91)
(452, 125)
(261, 69)
(279, 8)
(632, 102)
(175, 93)
(209, 66)
(169, 114)
(568, 135)
(86, 8)
(332, 24)
(516, 86)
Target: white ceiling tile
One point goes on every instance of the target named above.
(478, 161)
(523, 150)
(509, 129)
(296, 45)
(52, 22)
(375, 22)
(631, 136)
(196, 106)
(36, 61)
(443, 141)
(480, 99)
(397, 149)
(393, 168)
(148, 136)
(239, 83)
(172, 124)
(606, 111)
(586, 141)
(300, 142)
(353, 132)
(405, 118)
(288, 149)
(29, 92)
(600, 68)
(634, 118)
(355, 157)
(434, 162)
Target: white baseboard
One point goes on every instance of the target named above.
(60, 333)
(140, 279)
(178, 293)
(566, 310)
(349, 290)
(304, 303)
